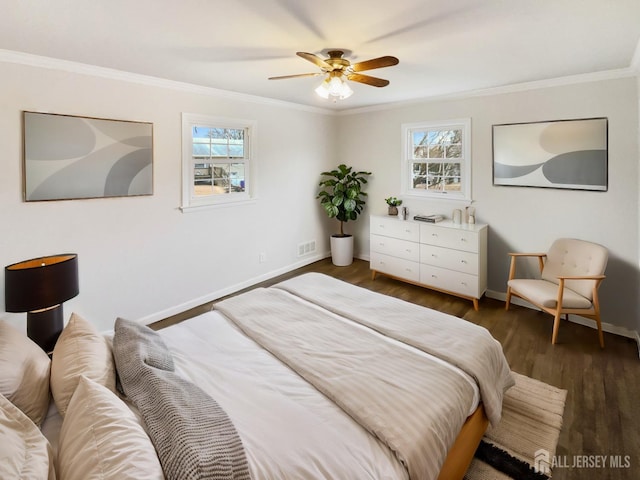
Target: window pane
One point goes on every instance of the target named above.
(420, 181)
(421, 151)
(202, 179)
(435, 168)
(436, 151)
(420, 138)
(452, 184)
(419, 168)
(220, 179)
(452, 169)
(454, 151)
(435, 183)
(237, 180)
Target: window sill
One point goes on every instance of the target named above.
(438, 198)
(209, 206)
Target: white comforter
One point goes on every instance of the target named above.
(289, 429)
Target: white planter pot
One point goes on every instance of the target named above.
(342, 250)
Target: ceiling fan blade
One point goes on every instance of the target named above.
(299, 75)
(369, 80)
(374, 63)
(315, 60)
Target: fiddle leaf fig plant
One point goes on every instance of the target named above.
(341, 194)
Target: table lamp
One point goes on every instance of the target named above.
(39, 287)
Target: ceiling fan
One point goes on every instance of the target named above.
(337, 69)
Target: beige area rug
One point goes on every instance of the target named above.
(531, 420)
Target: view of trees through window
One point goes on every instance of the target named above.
(436, 163)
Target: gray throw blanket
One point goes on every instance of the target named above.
(193, 436)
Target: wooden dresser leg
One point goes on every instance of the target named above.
(475, 304)
(373, 274)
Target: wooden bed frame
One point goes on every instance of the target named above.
(461, 453)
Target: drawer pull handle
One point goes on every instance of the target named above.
(408, 270)
(434, 276)
(381, 244)
(463, 239)
(434, 234)
(463, 261)
(408, 250)
(463, 283)
(434, 255)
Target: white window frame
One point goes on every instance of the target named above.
(465, 161)
(190, 201)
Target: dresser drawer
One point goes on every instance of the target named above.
(449, 280)
(392, 227)
(395, 247)
(458, 260)
(398, 267)
(449, 238)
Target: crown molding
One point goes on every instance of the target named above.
(513, 88)
(10, 56)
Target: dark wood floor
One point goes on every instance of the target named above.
(602, 415)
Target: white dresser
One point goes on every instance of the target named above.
(443, 256)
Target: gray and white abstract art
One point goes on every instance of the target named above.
(569, 154)
(69, 157)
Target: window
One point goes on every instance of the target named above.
(217, 160)
(436, 159)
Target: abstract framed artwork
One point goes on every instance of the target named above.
(564, 154)
(71, 157)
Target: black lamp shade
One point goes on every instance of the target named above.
(40, 283)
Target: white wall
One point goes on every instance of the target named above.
(141, 257)
(523, 219)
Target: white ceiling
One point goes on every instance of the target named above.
(444, 46)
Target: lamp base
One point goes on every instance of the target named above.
(44, 327)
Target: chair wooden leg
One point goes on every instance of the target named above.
(600, 335)
(556, 326)
(506, 305)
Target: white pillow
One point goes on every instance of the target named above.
(25, 453)
(24, 373)
(102, 439)
(80, 350)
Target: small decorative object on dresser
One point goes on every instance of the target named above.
(393, 203)
(443, 256)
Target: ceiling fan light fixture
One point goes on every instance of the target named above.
(334, 86)
(323, 89)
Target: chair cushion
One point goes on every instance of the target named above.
(541, 292)
(569, 256)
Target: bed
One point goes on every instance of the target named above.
(313, 378)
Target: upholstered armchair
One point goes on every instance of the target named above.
(570, 274)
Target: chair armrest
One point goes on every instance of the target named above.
(581, 277)
(512, 267)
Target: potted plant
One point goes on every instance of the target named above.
(342, 198)
(393, 203)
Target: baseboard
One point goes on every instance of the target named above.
(196, 302)
(606, 327)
